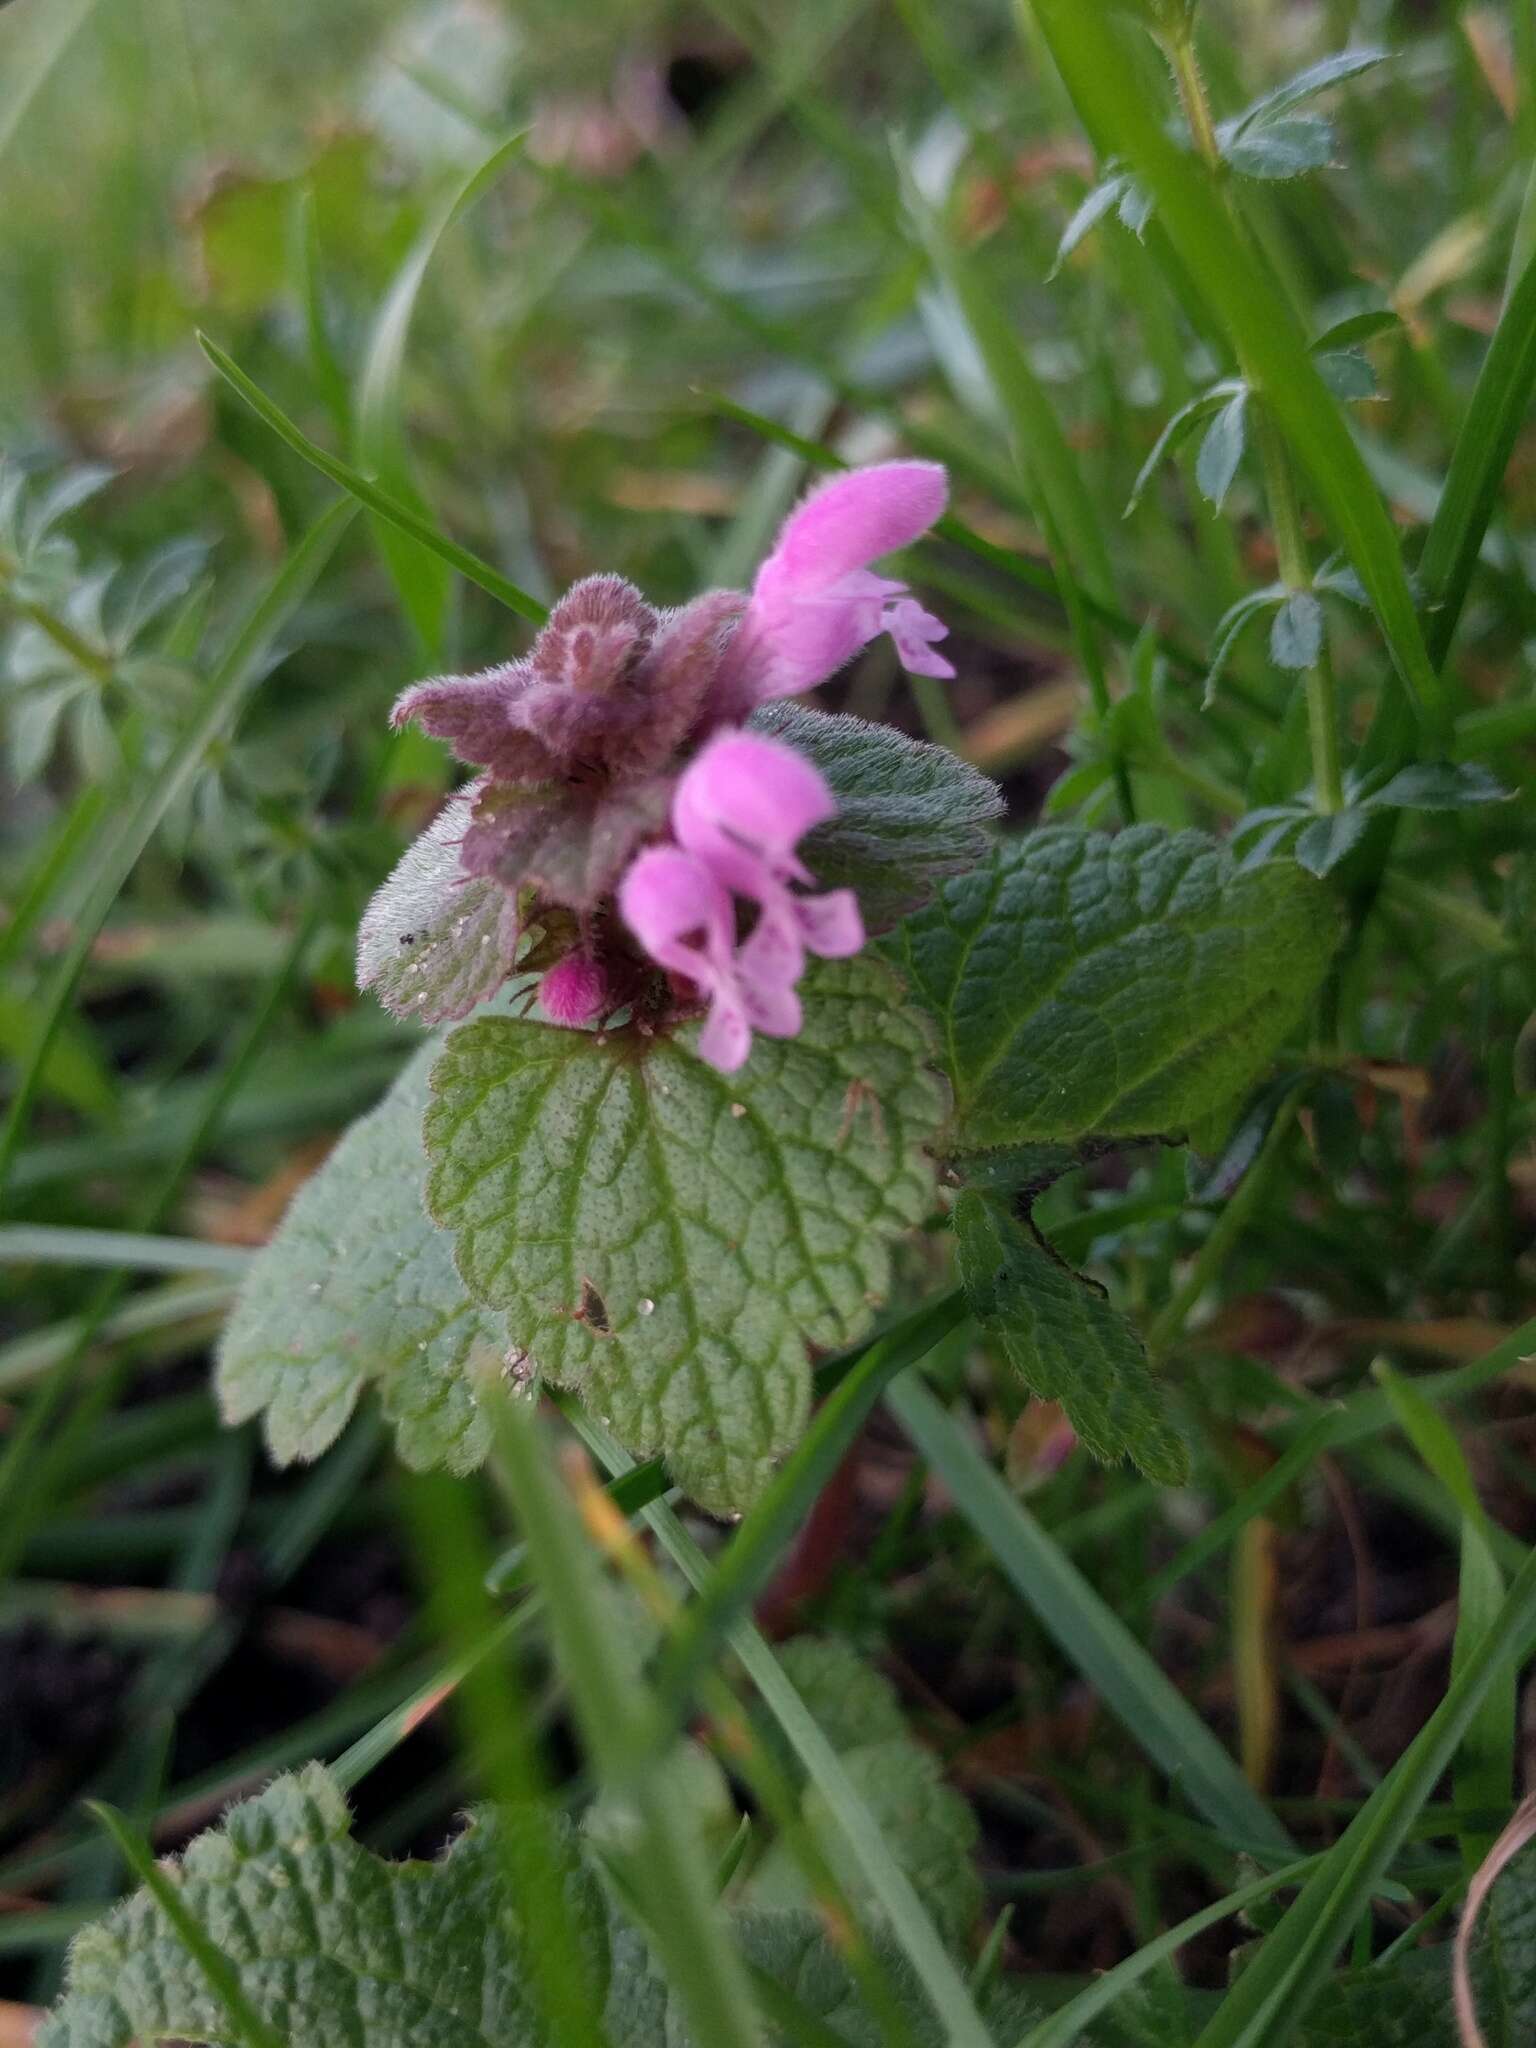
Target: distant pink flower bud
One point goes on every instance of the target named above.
(816, 603)
(575, 991)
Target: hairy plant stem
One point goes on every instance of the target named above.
(1274, 460)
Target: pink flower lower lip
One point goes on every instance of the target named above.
(679, 901)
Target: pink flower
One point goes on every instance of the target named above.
(816, 602)
(739, 812)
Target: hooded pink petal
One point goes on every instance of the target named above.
(679, 912)
(815, 602)
(849, 522)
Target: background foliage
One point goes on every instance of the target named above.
(1232, 375)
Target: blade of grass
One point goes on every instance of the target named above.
(369, 494)
(1067, 2023)
(1483, 1773)
(27, 1359)
(325, 367)
(705, 1971)
(65, 1245)
(1294, 1460)
(1062, 506)
(451, 1541)
(887, 1883)
(1274, 1993)
(1500, 406)
(419, 574)
(1093, 1638)
(57, 860)
(1088, 47)
(636, 1486)
(29, 1465)
(748, 1562)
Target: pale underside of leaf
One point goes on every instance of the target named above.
(434, 942)
(667, 1240)
(358, 1285)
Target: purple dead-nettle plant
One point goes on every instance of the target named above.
(718, 1144)
(626, 838)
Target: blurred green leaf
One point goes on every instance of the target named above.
(1296, 633)
(1281, 149)
(1306, 85)
(1221, 449)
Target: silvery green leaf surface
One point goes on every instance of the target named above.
(908, 813)
(330, 1944)
(1296, 632)
(665, 1239)
(1088, 986)
(434, 942)
(358, 1286)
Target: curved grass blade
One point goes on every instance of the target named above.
(1273, 1994)
(1484, 1771)
(369, 494)
(1066, 2024)
(1500, 405)
(1089, 1634)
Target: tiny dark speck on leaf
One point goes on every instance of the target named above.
(594, 1310)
